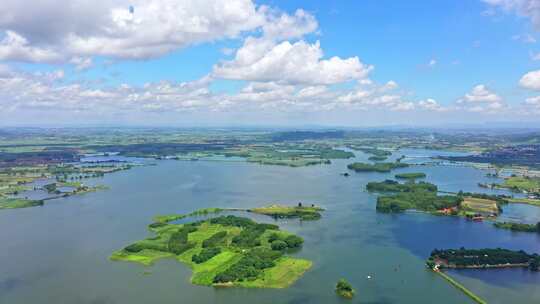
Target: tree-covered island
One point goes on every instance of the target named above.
(225, 250)
(482, 258)
(377, 167)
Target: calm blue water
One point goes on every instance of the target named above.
(58, 253)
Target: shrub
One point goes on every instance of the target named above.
(278, 245)
(294, 241)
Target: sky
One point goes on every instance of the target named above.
(269, 63)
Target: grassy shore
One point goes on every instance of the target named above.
(14, 203)
(528, 201)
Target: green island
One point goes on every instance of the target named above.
(222, 251)
(521, 227)
(419, 196)
(280, 211)
(486, 258)
(377, 167)
(344, 289)
(408, 176)
(482, 258)
(377, 158)
(423, 196)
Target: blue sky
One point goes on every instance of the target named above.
(459, 61)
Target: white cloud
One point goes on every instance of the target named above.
(286, 62)
(431, 105)
(480, 93)
(432, 63)
(481, 99)
(531, 80)
(524, 8)
(525, 38)
(535, 56)
(53, 31)
(81, 63)
(534, 101)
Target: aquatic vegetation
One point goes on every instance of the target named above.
(344, 289)
(222, 251)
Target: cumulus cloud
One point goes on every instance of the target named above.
(286, 62)
(525, 38)
(525, 8)
(480, 93)
(531, 80)
(481, 99)
(431, 105)
(42, 32)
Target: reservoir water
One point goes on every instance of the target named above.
(59, 253)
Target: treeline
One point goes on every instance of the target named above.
(519, 226)
(378, 167)
(177, 243)
(250, 266)
(462, 258)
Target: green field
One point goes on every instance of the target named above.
(519, 183)
(479, 205)
(13, 203)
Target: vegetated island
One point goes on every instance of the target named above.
(520, 227)
(377, 167)
(300, 211)
(479, 259)
(344, 289)
(482, 258)
(423, 196)
(223, 250)
(410, 176)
